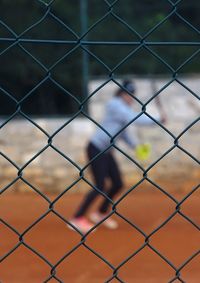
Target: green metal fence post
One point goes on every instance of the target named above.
(85, 62)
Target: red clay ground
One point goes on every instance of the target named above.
(146, 207)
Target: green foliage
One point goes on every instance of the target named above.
(60, 20)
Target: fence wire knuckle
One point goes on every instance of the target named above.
(82, 42)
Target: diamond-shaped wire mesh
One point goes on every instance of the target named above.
(84, 43)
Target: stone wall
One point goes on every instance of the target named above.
(21, 141)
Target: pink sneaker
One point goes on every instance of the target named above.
(97, 217)
(81, 223)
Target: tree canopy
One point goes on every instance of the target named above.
(53, 62)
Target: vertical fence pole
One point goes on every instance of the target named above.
(85, 63)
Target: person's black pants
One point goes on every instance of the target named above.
(105, 166)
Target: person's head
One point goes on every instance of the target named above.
(127, 88)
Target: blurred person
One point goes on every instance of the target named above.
(118, 114)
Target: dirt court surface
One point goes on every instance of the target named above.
(177, 240)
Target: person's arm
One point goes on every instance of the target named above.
(127, 114)
(124, 135)
(143, 119)
(142, 151)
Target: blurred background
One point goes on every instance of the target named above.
(48, 46)
(53, 56)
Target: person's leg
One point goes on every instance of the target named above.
(99, 169)
(116, 183)
(115, 176)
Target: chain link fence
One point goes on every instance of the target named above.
(82, 43)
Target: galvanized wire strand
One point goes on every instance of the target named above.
(188, 60)
(100, 43)
(21, 242)
(186, 129)
(119, 19)
(82, 243)
(17, 37)
(192, 27)
(89, 52)
(187, 88)
(188, 261)
(5, 188)
(58, 20)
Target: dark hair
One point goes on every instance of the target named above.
(127, 86)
